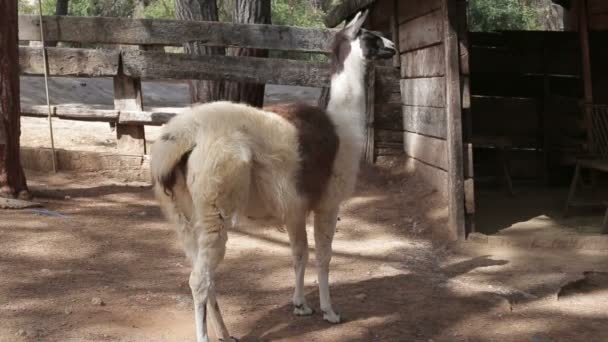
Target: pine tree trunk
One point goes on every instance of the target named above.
(317, 4)
(201, 10)
(139, 6)
(61, 8)
(12, 178)
(249, 12)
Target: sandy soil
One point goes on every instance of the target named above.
(389, 281)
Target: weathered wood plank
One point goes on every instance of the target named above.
(128, 96)
(426, 62)
(105, 30)
(95, 113)
(154, 65)
(425, 120)
(71, 112)
(427, 92)
(454, 150)
(429, 150)
(69, 62)
(597, 6)
(388, 116)
(469, 195)
(387, 80)
(410, 9)
(145, 118)
(598, 22)
(370, 83)
(420, 32)
(389, 136)
(530, 60)
(388, 97)
(435, 177)
(503, 116)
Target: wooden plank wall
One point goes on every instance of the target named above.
(388, 122)
(526, 86)
(423, 93)
(598, 15)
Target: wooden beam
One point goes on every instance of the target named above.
(427, 92)
(128, 96)
(71, 112)
(105, 30)
(431, 151)
(370, 82)
(455, 148)
(97, 113)
(425, 120)
(155, 65)
(69, 62)
(586, 58)
(394, 22)
(151, 118)
(388, 116)
(413, 9)
(435, 177)
(427, 62)
(421, 32)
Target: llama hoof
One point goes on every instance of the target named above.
(331, 317)
(302, 310)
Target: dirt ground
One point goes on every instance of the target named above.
(103, 241)
(391, 280)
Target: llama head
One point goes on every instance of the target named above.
(353, 39)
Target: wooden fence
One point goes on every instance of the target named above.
(129, 66)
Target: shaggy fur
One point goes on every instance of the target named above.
(223, 160)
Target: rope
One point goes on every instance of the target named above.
(46, 85)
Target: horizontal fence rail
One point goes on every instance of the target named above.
(128, 66)
(105, 30)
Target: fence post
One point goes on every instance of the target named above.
(370, 84)
(128, 96)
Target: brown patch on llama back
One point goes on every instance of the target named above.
(318, 146)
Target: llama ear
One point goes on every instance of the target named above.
(354, 26)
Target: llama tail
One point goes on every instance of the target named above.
(171, 151)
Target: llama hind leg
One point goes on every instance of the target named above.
(299, 249)
(211, 241)
(219, 184)
(216, 318)
(325, 227)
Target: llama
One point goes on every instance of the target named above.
(222, 160)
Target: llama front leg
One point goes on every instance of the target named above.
(325, 227)
(299, 250)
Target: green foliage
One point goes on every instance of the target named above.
(92, 8)
(296, 13)
(160, 9)
(24, 7)
(497, 15)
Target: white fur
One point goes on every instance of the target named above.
(244, 162)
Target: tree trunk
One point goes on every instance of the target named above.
(201, 10)
(12, 178)
(317, 4)
(139, 6)
(249, 12)
(61, 8)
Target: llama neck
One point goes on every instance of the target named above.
(346, 104)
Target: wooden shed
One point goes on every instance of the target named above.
(467, 97)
